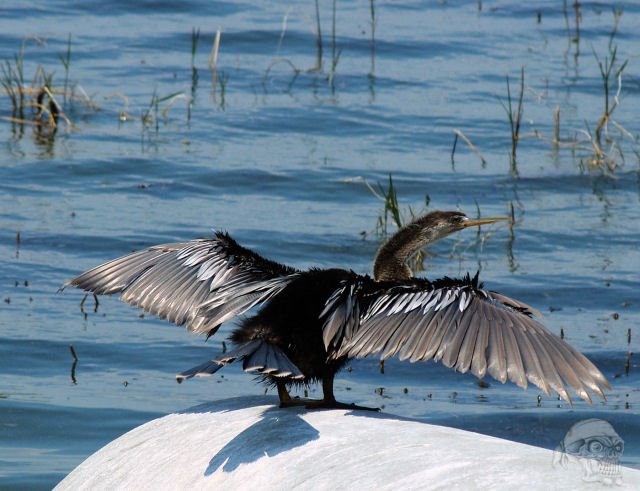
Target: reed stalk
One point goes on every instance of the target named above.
(213, 60)
(66, 63)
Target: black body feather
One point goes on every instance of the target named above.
(291, 322)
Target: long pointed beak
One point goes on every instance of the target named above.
(483, 221)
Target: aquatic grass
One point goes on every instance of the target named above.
(195, 37)
(578, 17)
(391, 209)
(453, 152)
(13, 81)
(278, 59)
(171, 99)
(333, 35)
(150, 116)
(556, 128)
(213, 61)
(66, 63)
(294, 69)
(336, 51)
(47, 103)
(283, 30)
(601, 149)
(459, 133)
(335, 56)
(607, 67)
(617, 16)
(318, 65)
(515, 119)
(607, 150)
(224, 78)
(74, 364)
(123, 115)
(147, 116)
(373, 22)
(573, 37)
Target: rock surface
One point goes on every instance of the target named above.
(246, 443)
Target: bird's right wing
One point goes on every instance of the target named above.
(201, 283)
(459, 323)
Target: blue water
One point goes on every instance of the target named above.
(279, 160)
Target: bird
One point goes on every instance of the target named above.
(311, 323)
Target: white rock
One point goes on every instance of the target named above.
(244, 443)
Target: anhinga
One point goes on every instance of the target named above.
(312, 322)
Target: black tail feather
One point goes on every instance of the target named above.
(208, 368)
(258, 355)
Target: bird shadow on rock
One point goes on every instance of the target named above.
(277, 430)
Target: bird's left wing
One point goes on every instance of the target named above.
(201, 283)
(459, 323)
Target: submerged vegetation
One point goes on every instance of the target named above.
(45, 102)
(599, 144)
(515, 118)
(37, 100)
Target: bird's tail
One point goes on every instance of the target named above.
(258, 356)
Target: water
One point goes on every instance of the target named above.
(279, 162)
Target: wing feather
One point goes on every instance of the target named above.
(479, 362)
(201, 283)
(419, 339)
(460, 324)
(446, 323)
(115, 275)
(497, 366)
(454, 343)
(515, 367)
(471, 327)
(530, 360)
(399, 337)
(568, 374)
(550, 374)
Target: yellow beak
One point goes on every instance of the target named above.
(483, 221)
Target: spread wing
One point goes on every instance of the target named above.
(201, 283)
(459, 323)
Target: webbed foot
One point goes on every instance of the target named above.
(324, 404)
(339, 405)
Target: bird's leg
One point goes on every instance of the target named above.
(329, 400)
(286, 400)
(283, 394)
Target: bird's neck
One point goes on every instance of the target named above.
(391, 260)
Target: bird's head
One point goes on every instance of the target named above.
(390, 262)
(439, 224)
